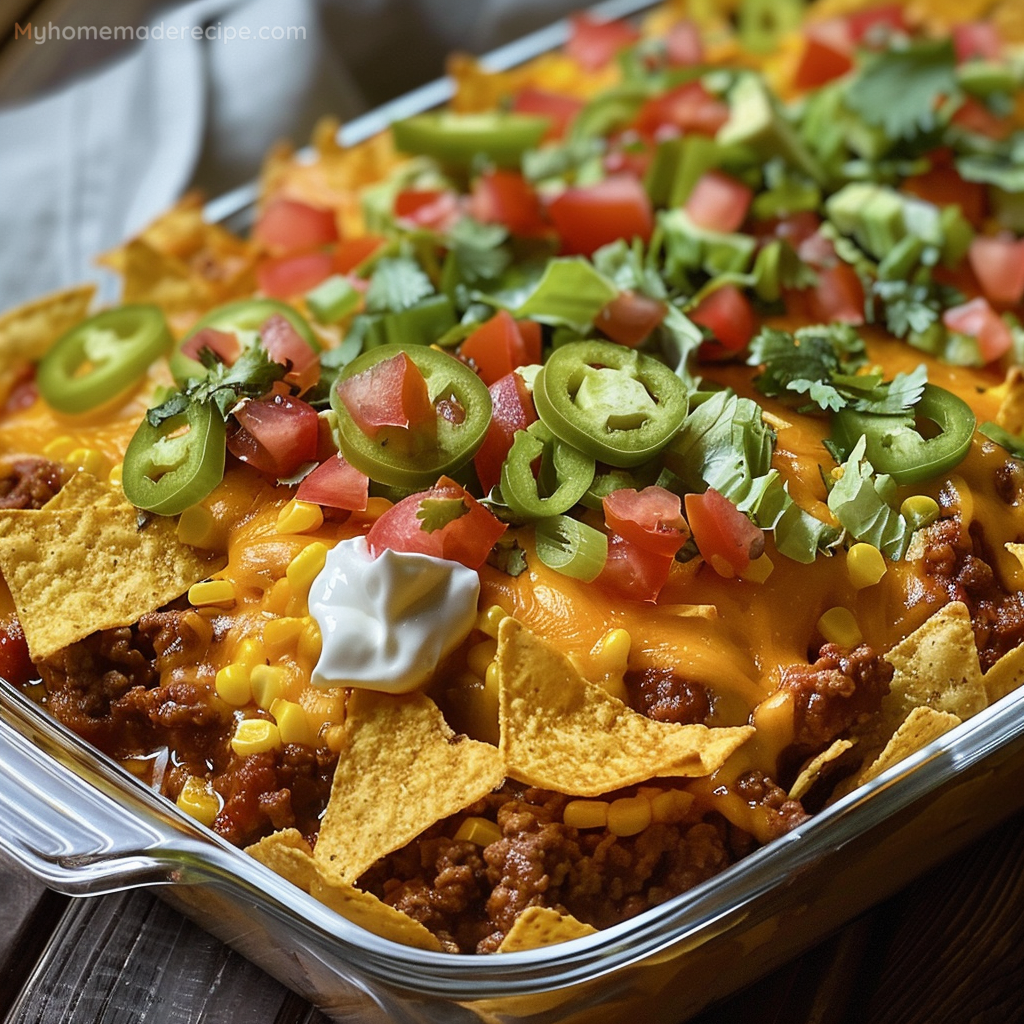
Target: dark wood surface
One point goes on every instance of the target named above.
(947, 950)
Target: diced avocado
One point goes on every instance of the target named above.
(871, 214)
(755, 122)
(690, 247)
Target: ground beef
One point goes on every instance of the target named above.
(840, 688)
(960, 561)
(29, 482)
(661, 694)
(783, 814)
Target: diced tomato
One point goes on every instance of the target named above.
(977, 319)
(686, 108)
(629, 153)
(276, 434)
(588, 217)
(838, 297)
(943, 186)
(467, 538)
(725, 537)
(719, 202)
(973, 116)
(24, 391)
(630, 317)
(294, 275)
(558, 108)
(593, 43)
(427, 208)
(633, 572)
(286, 346)
(336, 484)
(827, 53)
(727, 314)
(651, 519)
(350, 252)
(533, 340)
(15, 662)
(497, 348)
(286, 226)
(876, 24)
(976, 39)
(223, 344)
(511, 410)
(998, 264)
(684, 46)
(391, 393)
(794, 229)
(506, 197)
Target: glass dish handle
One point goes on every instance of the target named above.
(66, 831)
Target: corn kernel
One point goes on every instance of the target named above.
(865, 564)
(490, 619)
(310, 641)
(919, 510)
(481, 831)
(60, 447)
(292, 723)
(334, 737)
(671, 806)
(611, 652)
(759, 569)
(87, 460)
(300, 517)
(268, 684)
(278, 598)
(212, 593)
(198, 799)
(629, 815)
(480, 656)
(281, 636)
(255, 736)
(491, 676)
(838, 626)
(586, 813)
(232, 684)
(251, 653)
(116, 473)
(198, 527)
(305, 567)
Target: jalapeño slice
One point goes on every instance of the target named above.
(244, 319)
(414, 458)
(895, 446)
(169, 467)
(457, 139)
(613, 403)
(102, 358)
(571, 470)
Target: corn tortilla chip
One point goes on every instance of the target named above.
(401, 770)
(542, 926)
(816, 767)
(920, 727)
(288, 854)
(74, 571)
(1005, 675)
(84, 490)
(28, 331)
(560, 732)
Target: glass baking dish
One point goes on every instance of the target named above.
(85, 826)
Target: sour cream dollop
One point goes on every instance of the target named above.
(387, 622)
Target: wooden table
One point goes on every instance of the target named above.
(948, 950)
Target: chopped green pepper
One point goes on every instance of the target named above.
(463, 406)
(457, 139)
(244, 319)
(895, 447)
(168, 468)
(571, 470)
(102, 358)
(613, 403)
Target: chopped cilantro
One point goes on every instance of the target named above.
(812, 354)
(398, 282)
(478, 250)
(437, 513)
(508, 557)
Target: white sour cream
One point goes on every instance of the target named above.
(387, 622)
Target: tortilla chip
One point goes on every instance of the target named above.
(816, 767)
(84, 490)
(542, 926)
(920, 727)
(560, 732)
(401, 770)
(1005, 675)
(288, 854)
(73, 571)
(166, 281)
(28, 331)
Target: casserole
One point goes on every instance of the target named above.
(642, 957)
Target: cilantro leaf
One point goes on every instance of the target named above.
(398, 282)
(813, 354)
(823, 395)
(478, 250)
(437, 513)
(899, 90)
(903, 392)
